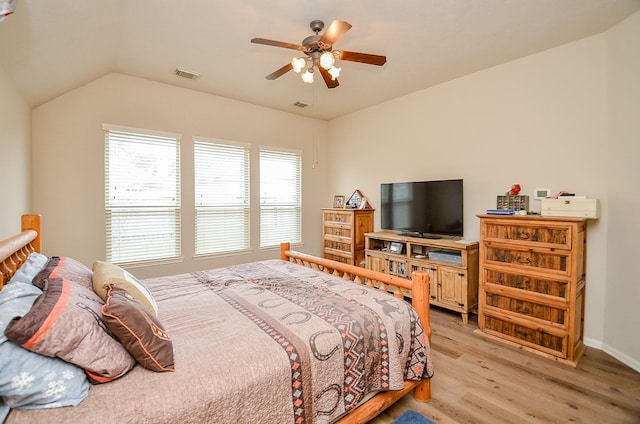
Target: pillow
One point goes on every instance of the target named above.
(65, 322)
(64, 267)
(29, 380)
(30, 268)
(138, 330)
(105, 274)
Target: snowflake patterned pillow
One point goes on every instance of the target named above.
(29, 380)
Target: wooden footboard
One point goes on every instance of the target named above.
(419, 287)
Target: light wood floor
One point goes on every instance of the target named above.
(481, 381)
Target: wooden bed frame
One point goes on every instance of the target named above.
(15, 250)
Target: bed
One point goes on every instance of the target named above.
(296, 339)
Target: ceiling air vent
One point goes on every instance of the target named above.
(186, 74)
(300, 105)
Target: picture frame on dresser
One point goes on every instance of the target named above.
(338, 201)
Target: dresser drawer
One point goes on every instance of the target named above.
(535, 337)
(546, 235)
(337, 216)
(339, 231)
(557, 288)
(342, 246)
(528, 259)
(338, 258)
(529, 308)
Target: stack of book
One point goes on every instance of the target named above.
(500, 212)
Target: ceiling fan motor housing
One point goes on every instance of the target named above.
(316, 25)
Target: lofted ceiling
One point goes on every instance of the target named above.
(48, 47)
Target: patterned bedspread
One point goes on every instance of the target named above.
(267, 342)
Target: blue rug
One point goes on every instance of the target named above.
(412, 417)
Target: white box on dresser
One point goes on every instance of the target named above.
(569, 206)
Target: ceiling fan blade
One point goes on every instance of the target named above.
(335, 31)
(277, 43)
(371, 59)
(331, 83)
(280, 72)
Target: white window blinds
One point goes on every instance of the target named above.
(280, 197)
(142, 196)
(221, 197)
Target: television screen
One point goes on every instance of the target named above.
(429, 208)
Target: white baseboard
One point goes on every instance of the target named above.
(596, 344)
(620, 356)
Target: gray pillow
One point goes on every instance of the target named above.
(66, 322)
(29, 380)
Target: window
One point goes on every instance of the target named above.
(221, 197)
(142, 195)
(280, 196)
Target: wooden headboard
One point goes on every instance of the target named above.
(15, 249)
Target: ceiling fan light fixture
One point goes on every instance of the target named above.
(298, 63)
(334, 72)
(327, 60)
(307, 76)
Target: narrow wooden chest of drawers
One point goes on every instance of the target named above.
(532, 283)
(343, 234)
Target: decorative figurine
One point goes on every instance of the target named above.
(515, 189)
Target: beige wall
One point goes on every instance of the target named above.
(622, 314)
(15, 156)
(541, 121)
(68, 160)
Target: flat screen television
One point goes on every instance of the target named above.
(430, 209)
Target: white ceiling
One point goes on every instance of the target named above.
(49, 47)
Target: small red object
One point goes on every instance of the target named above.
(515, 189)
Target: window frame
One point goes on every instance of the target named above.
(244, 205)
(273, 239)
(136, 211)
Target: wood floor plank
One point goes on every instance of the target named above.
(480, 381)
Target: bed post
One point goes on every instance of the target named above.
(283, 248)
(32, 222)
(420, 301)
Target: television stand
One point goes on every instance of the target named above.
(452, 266)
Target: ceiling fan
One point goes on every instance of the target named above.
(320, 54)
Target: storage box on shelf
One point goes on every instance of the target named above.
(532, 283)
(343, 234)
(452, 266)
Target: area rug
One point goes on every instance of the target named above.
(412, 417)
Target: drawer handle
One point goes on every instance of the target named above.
(523, 235)
(522, 260)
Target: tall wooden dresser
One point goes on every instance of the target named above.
(532, 283)
(343, 234)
